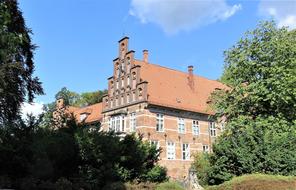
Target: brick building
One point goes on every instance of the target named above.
(168, 107)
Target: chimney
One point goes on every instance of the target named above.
(60, 103)
(190, 77)
(145, 56)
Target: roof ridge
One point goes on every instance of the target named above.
(183, 72)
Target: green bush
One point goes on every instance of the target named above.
(157, 174)
(202, 166)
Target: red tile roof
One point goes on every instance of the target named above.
(93, 113)
(170, 88)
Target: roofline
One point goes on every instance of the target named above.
(120, 107)
(179, 108)
(125, 37)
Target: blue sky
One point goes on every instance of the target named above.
(77, 39)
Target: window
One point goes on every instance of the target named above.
(112, 126)
(171, 150)
(205, 148)
(83, 116)
(133, 122)
(111, 103)
(159, 122)
(212, 129)
(195, 127)
(181, 125)
(185, 152)
(117, 123)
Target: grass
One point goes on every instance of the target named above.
(143, 186)
(169, 186)
(258, 182)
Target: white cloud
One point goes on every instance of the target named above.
(176, 15)
(34, 108)
(283, 12)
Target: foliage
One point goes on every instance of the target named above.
(69, 97)
(156, 174)
(202, 165)
(107, 158)
(260, 69)
(16, 62)
(169, 186)
(84, 99)
(73, 157)
(259, 182)
(259, 107)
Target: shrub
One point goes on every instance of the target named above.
(202, 166)
(157, 174)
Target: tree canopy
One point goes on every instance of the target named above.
(259, 106)
(17, 82)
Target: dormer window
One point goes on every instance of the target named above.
(83, 116)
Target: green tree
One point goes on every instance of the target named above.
(17, 82)
(89, 98)
(259, 106)
(70, 97)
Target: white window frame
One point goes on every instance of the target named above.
(181, 125)
(212, 129)
(205, 148)
(133, 122)
(159, 122)
(185, 147)
(195, 127)
(171, 150)
(117, 123)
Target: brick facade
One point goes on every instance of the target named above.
(128, 105)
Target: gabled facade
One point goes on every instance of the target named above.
(169, 108)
